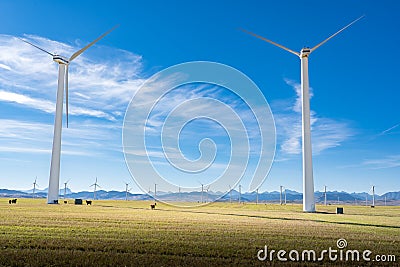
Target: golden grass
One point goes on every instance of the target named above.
(121, 233)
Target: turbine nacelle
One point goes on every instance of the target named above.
(305, 52)
(60, 59)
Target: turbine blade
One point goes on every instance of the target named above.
(66, 93)
(36, 46)
(333, 35)
(271, 42)
(77, 53)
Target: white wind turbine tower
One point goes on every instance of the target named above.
(34, 187)
(63, 63)
(373, 195)
(95, 189)
(308, 181)
(285, 194)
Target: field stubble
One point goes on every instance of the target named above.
(129, 233)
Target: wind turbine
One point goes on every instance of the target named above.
(373, 196)
(126, 190)
(308, 181)
(34, 187)
(95, 188)
(280, 195)
(285, 194)
(65, 187)
(63, 63)
(202, 190)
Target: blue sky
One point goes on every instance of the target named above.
(354, 81)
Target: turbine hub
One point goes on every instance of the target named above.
(60, 60)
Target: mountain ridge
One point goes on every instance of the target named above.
(195, 196)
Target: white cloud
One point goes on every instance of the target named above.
(326, 133)
(36, 138)
(43, 105)
(391, 161)
(101, 81)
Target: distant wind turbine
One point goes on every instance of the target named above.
(95, 189)
(63, 63)
(34, 187)
(285, 194)
(202, 190)
(65, 187)
(308, 181)
(126, 190)
(373, 195)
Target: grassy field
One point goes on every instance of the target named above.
(121, 233)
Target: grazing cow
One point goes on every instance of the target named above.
(88, 202)
(153, 206)
(65, 202)
(12, 201)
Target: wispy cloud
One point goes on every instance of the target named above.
(36, 138)
(389, 130)
(391, 161)
(100, 83)
(326, 133)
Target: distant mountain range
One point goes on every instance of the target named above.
(333, 197)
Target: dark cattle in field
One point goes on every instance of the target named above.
(12, 201)
(65, 202)
(88, 202)
(153, 206)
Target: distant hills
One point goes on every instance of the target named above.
(333, 197)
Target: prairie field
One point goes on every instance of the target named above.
(129, 233)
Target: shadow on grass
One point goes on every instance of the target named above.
(266, 217)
